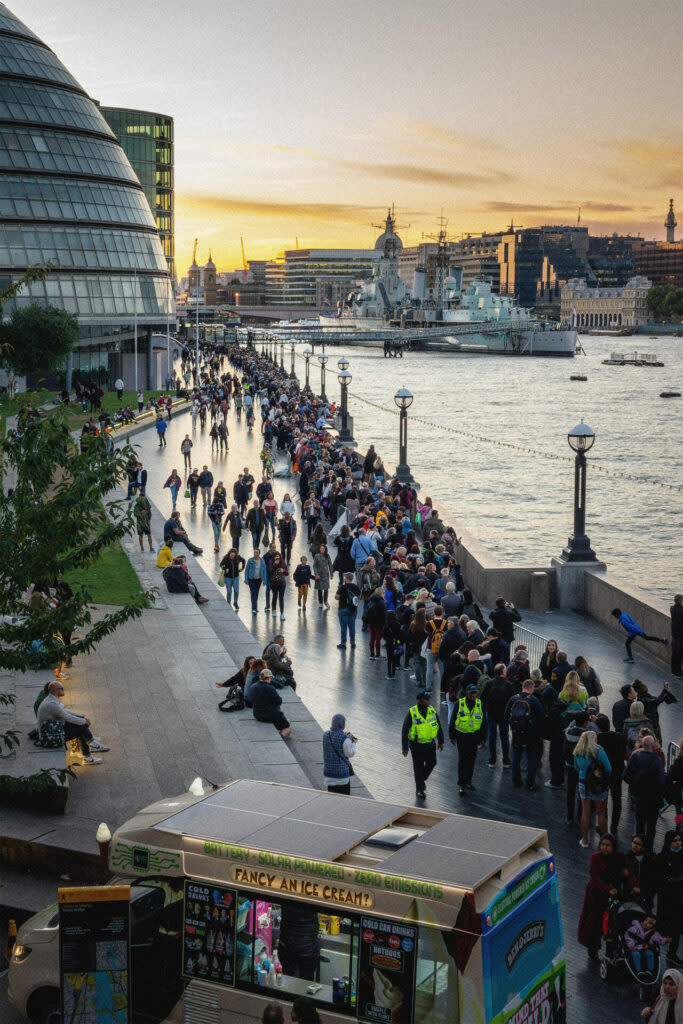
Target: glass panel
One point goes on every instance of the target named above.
(305, 947)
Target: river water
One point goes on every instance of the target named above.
(520, 505)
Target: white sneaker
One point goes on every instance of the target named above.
(91, 760)
(282, 618)
(99, 747)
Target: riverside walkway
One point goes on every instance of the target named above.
(143, 687)
(331, 681)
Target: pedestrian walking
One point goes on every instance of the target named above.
(495, 698)
(118, 384)
(233, 523)
(174, 484)
(421, 735)
(347, 596)
(322, 571)
(339, 746)
(644, 775)
(186, 449)
(467, 730)
(254, 575)
(141, 400)
(161, 428)
(593, 768)
(287, 534)
(524, 716)
(375, 615)
(302, 579)
(256, 521)
(634, 632)
(614, 745)
(232, 565)
(193, 487)
(205, 484)
(215, 512)
(213, 434)
(277, 580)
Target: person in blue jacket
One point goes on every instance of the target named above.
(255, 574)
(633, 631)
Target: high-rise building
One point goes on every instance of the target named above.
(68, 195)
(315, 278)
(147, 141)
(536, 262)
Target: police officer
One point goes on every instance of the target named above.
(421, 733)
(467, 729)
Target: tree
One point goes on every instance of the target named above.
(665, 301)
(36, 340)
(59, 517)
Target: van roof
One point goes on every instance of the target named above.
(451, 849)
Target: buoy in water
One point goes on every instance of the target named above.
(669, 394)
(578, 376)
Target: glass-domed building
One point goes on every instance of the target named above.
(69, 195)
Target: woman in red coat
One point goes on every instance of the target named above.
(609, 875)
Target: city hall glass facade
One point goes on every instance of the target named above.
(68, 195)
(147, 141)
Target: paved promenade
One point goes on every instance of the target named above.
(330, 681)
(149, 690)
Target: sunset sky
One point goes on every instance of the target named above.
(307, 119)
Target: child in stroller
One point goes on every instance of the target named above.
(631, 941)
(641, 940)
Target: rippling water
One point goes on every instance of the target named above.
(520, 505)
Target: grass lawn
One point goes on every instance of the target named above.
(10, 407)
(111, 580)
(110, 403)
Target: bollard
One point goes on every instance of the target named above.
(539, 596)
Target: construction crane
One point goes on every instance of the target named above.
(245, 267)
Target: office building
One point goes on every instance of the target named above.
(612, 308)
(69, 195)
(535, 263)
(147, 141)
(316, 278)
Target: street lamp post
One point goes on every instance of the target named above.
(344, 378)
(291, 368)
(307, 355)
(282, 354)
(322, 359)
(403, 399)
(581, 439)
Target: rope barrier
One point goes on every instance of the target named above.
(615, 474)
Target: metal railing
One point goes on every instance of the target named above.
(534, 643)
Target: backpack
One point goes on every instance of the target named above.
(52, 734)
(596, 781)
(520, 722)
(436, 634)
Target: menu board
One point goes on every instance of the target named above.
(209, 933)
(386, 971)
(94, 928)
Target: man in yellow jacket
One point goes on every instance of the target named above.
(421, 733)
(467, 729)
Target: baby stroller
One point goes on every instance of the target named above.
(615, 956)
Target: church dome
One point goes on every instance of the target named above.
(389, 240)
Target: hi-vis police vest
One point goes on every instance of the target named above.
(423, 728)
(468, 719)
